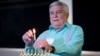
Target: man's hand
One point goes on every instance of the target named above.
(41, 43)
(28, 38)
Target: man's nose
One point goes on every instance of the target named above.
(55, 15)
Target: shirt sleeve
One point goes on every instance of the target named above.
(28, 49)
(75, 44)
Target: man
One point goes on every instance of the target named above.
(61, 38)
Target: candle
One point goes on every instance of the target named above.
(34, 32)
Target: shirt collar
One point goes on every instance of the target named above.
(65, 25)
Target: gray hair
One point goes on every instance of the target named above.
(65, 6)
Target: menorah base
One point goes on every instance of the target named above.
(35, 52)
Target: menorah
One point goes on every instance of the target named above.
(35, 52)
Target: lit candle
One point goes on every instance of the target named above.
(34, 32)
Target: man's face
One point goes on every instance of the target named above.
(57, 16)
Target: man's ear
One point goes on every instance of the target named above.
(67, 15)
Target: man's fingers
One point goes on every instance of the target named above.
(39, 44)
(26, 38)
(28, 34)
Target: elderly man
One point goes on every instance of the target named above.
(61, 38)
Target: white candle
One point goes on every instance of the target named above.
(34, 32)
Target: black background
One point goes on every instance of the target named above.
(17, 16)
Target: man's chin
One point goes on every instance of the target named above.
(56, 26)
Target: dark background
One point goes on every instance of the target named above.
(17, 16)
